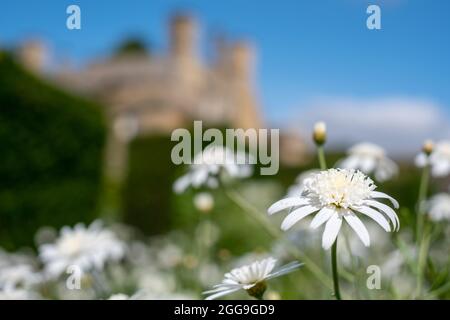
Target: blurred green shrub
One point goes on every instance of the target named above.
(51, 147)
(148, 188)
(149, 202)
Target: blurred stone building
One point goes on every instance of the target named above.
(161, 93)
(155, 94)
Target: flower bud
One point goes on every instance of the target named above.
(204, 202)
(428, 147)
(320, 133)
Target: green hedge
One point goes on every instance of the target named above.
(147, 197)
(51, 146)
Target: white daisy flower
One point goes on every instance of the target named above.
(210, 163)
(18, 276)
(88, 248)
(251, 278)
(438, 207)
(370, 159)
(18, 294)
(439, 159)
(338, 194)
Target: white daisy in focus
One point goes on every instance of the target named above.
(370, 159)
(439, 159)
(438, 207)
(337, 195)
(297, 188)
(209, 164)
(88, 248)
(251, 278)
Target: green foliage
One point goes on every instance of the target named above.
(51, 155)
(132, 46)
(148, 189)
(148, 199)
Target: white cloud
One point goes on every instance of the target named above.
(398, 124)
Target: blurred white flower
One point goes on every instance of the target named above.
(393, 264)
(156, 281)
(18, 294)
(204, 201)
(122, 296)
(370, 159)
(18, 276)
(336, 194)
(167, 296)
(210, 163)
(301, 236)
(251, 278)
(119, 296)
(17, 258)
(88, 248)
(169, 255)
(438, 207)
(439, 159)
(209, 273)
(298, 187)
(350, 249)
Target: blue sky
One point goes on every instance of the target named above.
(307, 50)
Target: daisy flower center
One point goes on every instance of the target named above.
(342, 188)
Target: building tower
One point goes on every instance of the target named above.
(184, 59)
(241, 72)
(33, 55)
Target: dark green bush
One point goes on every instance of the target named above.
(51, 147)
(148, 188)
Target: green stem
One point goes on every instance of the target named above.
(334, 267)
(423, 190)
(337, 293)
(421, 235)
(423, 254)
(434, 294)
(321, 156)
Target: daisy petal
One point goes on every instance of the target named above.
(377, 194)
(376, 216)
(287, 203)
(297, 215)
(181, 184)
(321, 217)
(285, 269)
(358, 227)
(331, 231)
(387, 210)
(221, 294)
